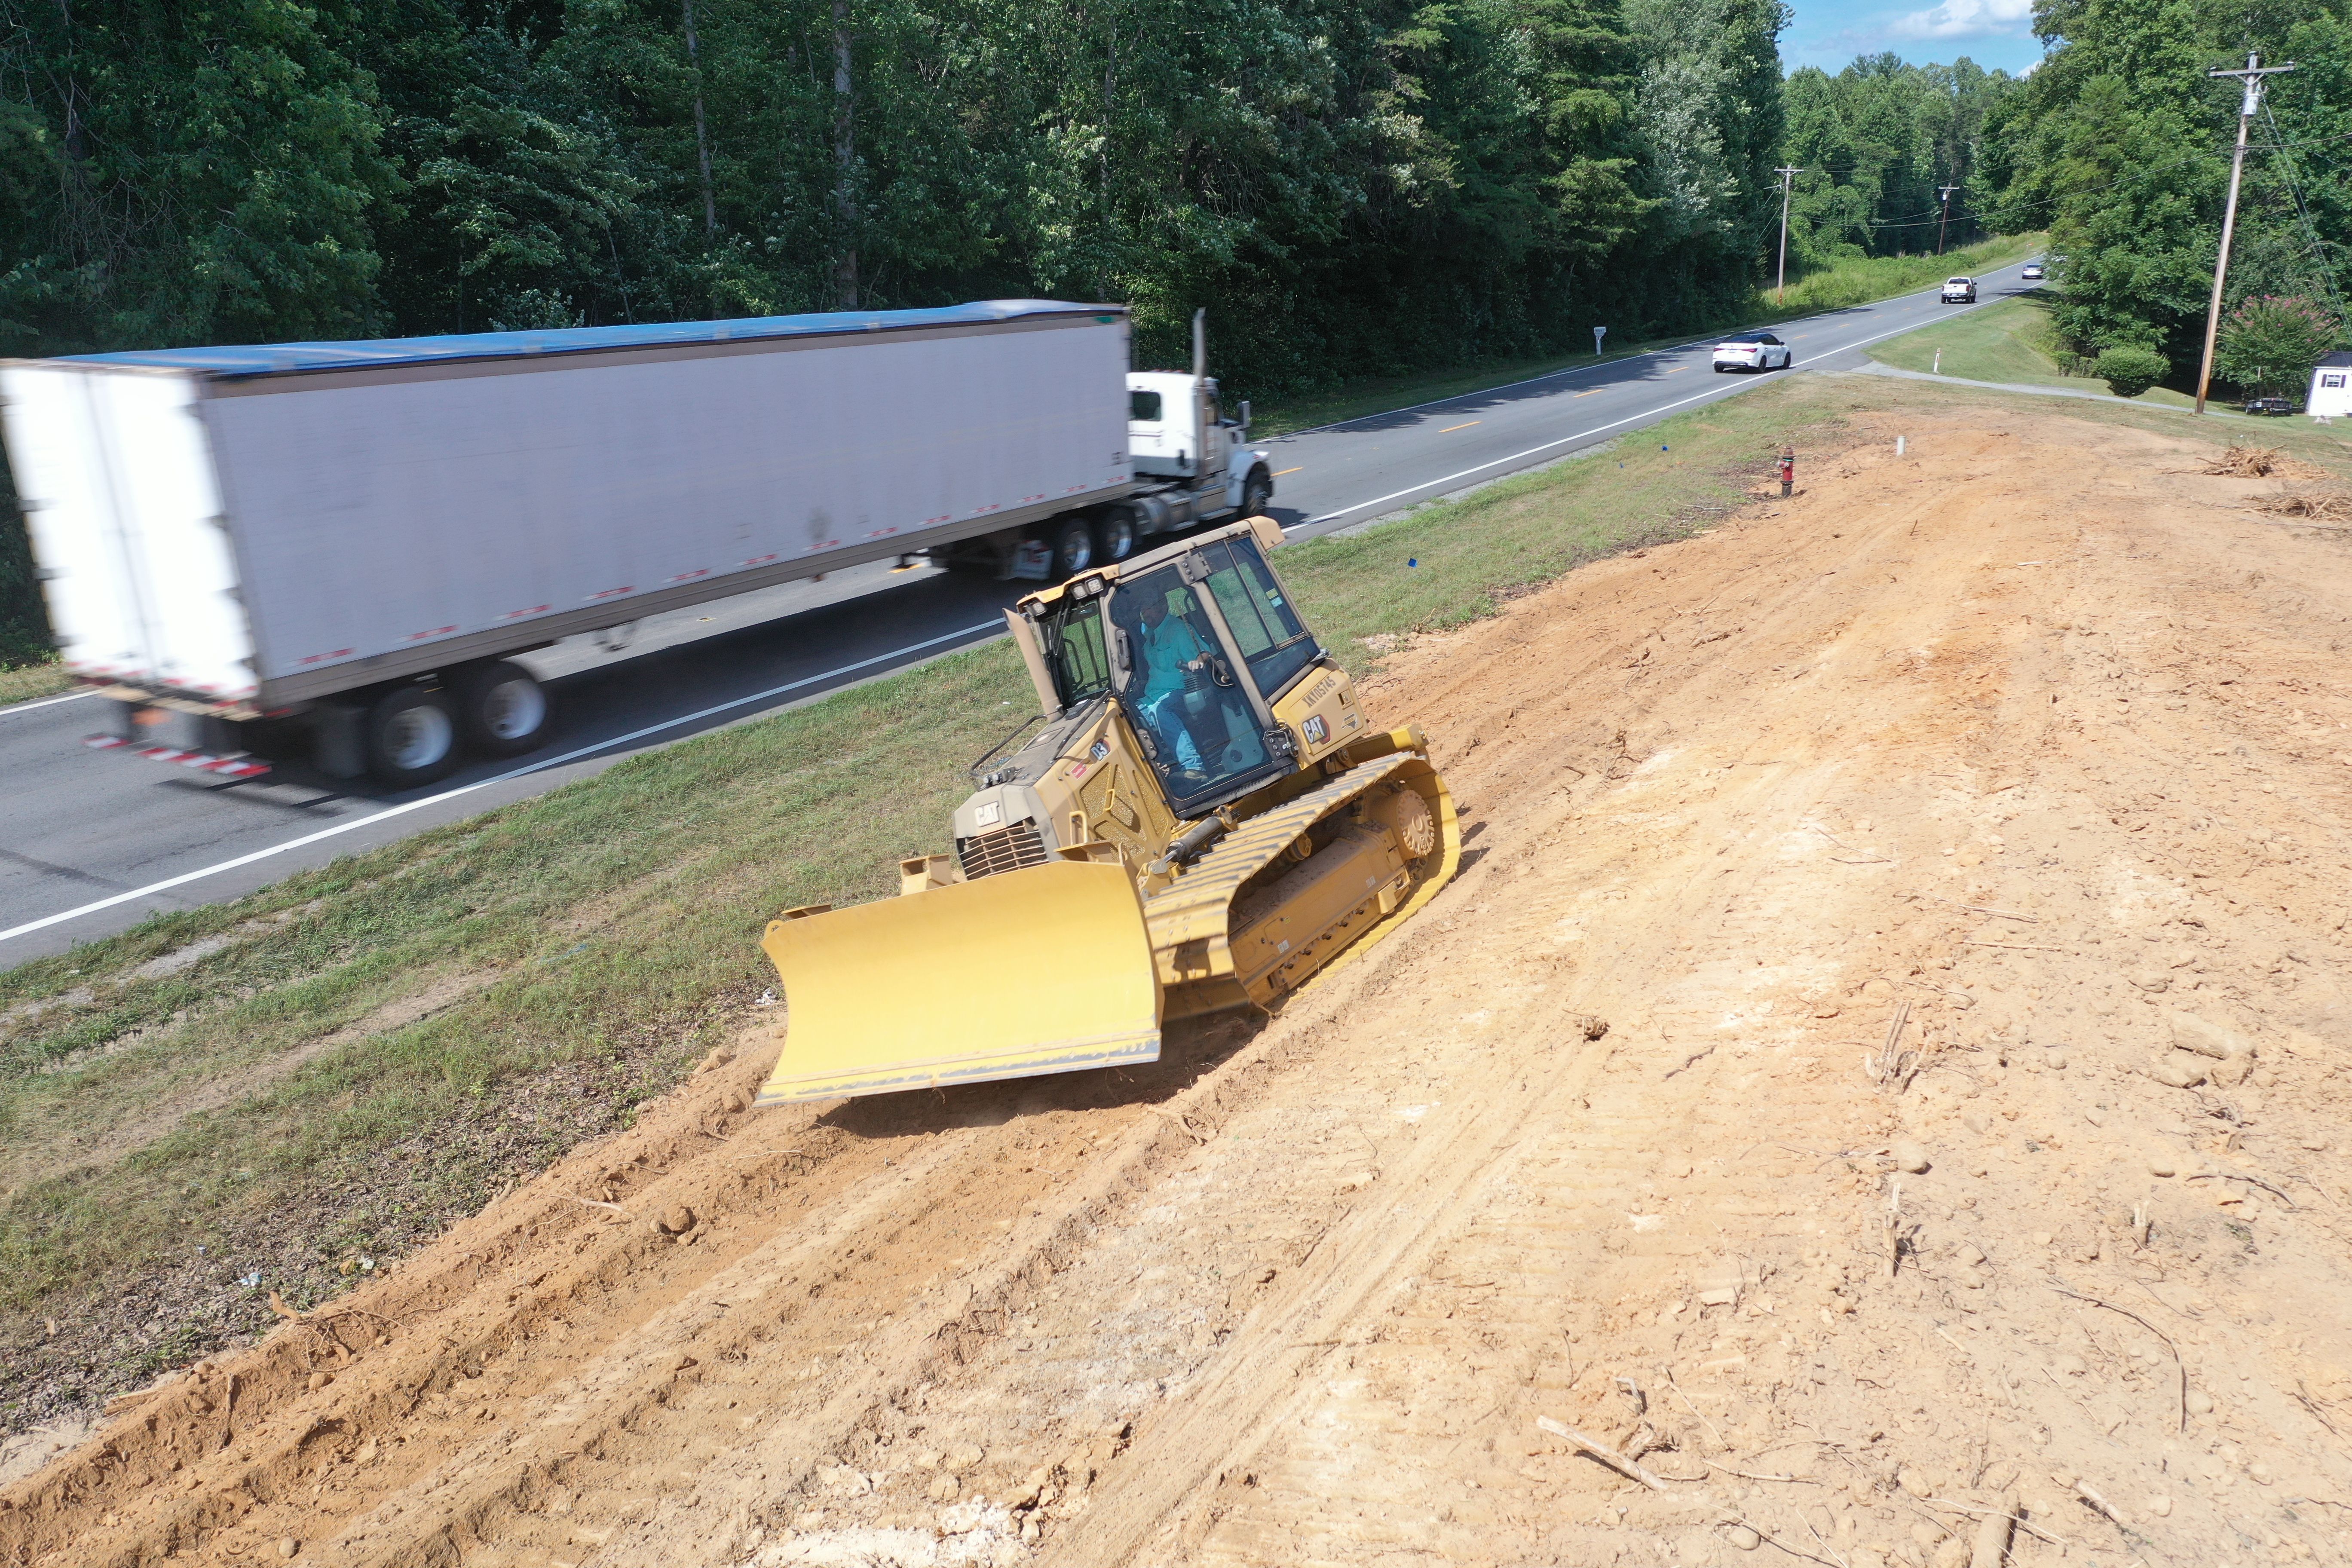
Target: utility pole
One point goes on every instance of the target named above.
(2252, 77)
(1781, 289)
(1945, 222)
(701, 130)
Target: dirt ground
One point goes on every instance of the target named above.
(1957, 857)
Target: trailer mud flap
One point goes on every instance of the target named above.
(1045, 970)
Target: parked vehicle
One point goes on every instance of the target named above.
(1752, 351)
(331, 551)
(1959, 290)
(2269, 405)
(2032, 273)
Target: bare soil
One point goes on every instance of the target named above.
(1957, 855)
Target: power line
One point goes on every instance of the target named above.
(2253, 77)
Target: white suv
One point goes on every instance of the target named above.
(1959, 290)
(1752, 351)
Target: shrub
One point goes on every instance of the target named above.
(2129, 370)
(2269, 344)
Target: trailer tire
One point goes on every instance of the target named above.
(411, 736)
(1115, 535)
(1073, 548)
(501, 707)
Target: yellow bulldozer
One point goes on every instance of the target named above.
(1207, 820)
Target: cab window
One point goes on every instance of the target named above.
(1143, 408)
(1264, 626)
(1073, 635)
(1184, 698)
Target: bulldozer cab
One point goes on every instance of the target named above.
(1196, 644)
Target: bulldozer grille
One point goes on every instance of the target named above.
(1009, 849)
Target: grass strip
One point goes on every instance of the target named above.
(255, 1095)
(2013, 342)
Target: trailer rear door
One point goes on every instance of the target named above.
(116, 478)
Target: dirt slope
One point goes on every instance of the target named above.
(1899, 835)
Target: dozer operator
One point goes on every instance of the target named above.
(1207, 820)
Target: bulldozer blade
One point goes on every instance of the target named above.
(1045, 970)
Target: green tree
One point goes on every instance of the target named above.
(2269, 344)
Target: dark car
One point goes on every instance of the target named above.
(2269, 405)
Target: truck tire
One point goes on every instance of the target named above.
(501, 707)
(1073, 548)
(1257, 491)
(1115, 535)
(411, 736)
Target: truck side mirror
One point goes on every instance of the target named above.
(1245, 415)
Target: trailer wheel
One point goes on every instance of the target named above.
(1073, 548)
(1115, 534)
(411, 736)
(501, 707)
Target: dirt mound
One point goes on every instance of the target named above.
(1957, 857)
(2262, 463)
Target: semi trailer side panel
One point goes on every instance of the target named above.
(388, 507)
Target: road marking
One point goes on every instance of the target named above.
(1715, 391)
(1279, 472)
(541, 766)
(1464, 425)
(1589, 392)
(45, 702)
(1678, 370)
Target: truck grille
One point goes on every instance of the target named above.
(1007, 850)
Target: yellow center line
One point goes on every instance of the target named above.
(1589, 393)
(1678, 370)
(1464, 425)
(1279, 472)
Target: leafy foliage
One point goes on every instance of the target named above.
(2269, 344)
(1877, 143)
(2120, 143)
(2130, 369)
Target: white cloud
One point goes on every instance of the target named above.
(1967, 20)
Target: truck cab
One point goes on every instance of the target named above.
(1179, 433)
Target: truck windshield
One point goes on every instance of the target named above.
(1185, 696)
(1074, 650)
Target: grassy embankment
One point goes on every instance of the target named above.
(2013, 342)
(254, 1077)
(1848, 283)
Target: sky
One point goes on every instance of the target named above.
(1993, 33)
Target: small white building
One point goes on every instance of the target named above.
(2331, 388)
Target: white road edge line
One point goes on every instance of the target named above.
(1597, 430)
(541, 766)
(44, 702)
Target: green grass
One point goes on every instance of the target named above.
(1847, 283)
(605, 935)
(26, 683)
(2013, 342)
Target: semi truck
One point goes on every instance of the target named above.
(330, 553)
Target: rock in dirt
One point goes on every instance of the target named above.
(1742, 1537)
(718, 1058)
(1909, 1156)
(317, 1380)
(943, 1487)
(1991, 1548)
(2179, 1069)
(961, 1457)
(288, 1546)
(961, 1520)
(677, 1220)
(2199, 1403)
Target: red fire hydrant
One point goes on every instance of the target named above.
(1787, 470)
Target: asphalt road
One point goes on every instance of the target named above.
(94, 841)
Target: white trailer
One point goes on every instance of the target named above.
(329, 548)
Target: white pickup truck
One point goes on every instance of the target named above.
(1959, 290)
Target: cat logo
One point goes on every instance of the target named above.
(1316, 730)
